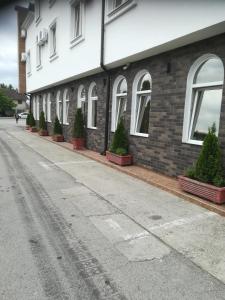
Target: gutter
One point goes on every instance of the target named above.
(107, 72)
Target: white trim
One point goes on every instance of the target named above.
(58, 101)
(44, 104)
(135, 92)
(64, 108)
(189, 94)
(90, 106)
(49, 108)
(114, 13)
(79, 98)
(76, 39)
(52, 53)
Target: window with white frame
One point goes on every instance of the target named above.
(141, 101)
(59, 106)
(49, 107)
(44, 104)
(81, 98)
(37, 10)
(77, 21)
(92, 106)
(38, 53)
(53, 39)
(203, 98)
(28, 63)
(51, 2)
(38, 107)
(119, 101)
(34, 108)
(66, 103)
(116, 8)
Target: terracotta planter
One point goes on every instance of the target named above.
(33, 129)
(58, 138)
(27, 127)
(207, 191)
(43, 132)
(122, 160)
(78, 143)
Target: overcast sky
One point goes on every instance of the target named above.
(8, 45)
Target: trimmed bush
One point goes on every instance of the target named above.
(120, 142)
(57, 127)
(208, 167)
(28, 120)
(32, 120)
(78, 128)
(42, 122)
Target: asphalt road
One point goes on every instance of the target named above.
(71, 228)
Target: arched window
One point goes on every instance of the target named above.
(59, 106)
(92, 106)
(119, 100)
(81, 98)
(203, 98)
(38, 107)
(34, 108)
(44, 105)
(141, 97)
(66, 103)
(49, 107)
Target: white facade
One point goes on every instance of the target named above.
(135, 30)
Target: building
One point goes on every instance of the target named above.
(159, 64)
(17, 98)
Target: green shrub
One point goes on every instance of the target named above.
(32, 120)
(120, 139)
(57, 127)
(208, 167)
(78, 128)
(28, 120)
(121, 151)
(42, 122)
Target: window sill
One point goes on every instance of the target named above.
(76, 41)
(29, 74)
(39, 67)
(119, 11)
(49, 121)
(66, 124)
(140, 134)
(53, 57)
(92, 127)
(192, 142)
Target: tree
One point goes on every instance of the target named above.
(57, 127)
(78, 129)
(120, 140)
(6, 104)
(42, 122)
(32, 120)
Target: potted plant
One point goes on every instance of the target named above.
(78, 131)
(206, 178)
(42, 125)
(32, 122)
(28, 122)
(57, 131)
(118, 152)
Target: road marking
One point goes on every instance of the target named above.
(183, 221)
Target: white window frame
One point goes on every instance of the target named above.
(135, 96)
(34, 108)
(28, 63)
(59, 104)
(90, 105)
(37, 10)
(80, 99)
(44, 104)
(38, 55)
(66, 103)
(38, 107)
(115, 95)
(113, 12)
(76, 39)
(53, 52)
(49, 108)
(188, 115)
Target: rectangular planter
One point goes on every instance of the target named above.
(204, 190)
(43, 132)
(58, 138)
(33, 129)
(78, 143)
(122, 160)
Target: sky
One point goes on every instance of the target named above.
(8, 44)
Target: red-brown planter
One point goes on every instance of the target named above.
(27, 127)
(33, 129)
(122, 160)
(78, 143)
(204, 190)
(43, 132)
(58, 138)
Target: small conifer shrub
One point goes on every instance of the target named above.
(57, 127)
(78, 128)
(32, 120)
(42, 122)
(208, 168)
(28, 120)
(120, 142)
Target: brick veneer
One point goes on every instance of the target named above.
(163, 150)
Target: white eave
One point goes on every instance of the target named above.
(28, 20)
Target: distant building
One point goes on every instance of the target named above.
(159, 64)
(18, 99)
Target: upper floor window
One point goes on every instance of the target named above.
(66, 103)
(116, 8)
(53, 39)
(92, 106)
(51, 2)
(38, 53)
(119, 101)
(81, 98)
(77, 21)
(203, 98)
(118, 3)
(28, 63)
(141, 97)
(37, 11)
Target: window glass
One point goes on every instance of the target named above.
(122, 87)
(210, 71)
(94, 92)
(77, 12)
(144, 83)
(94, 113)
(143, 114)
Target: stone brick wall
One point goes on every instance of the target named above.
(163, 150)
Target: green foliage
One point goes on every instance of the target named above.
(121, 151)
(120, 139)
(78, 128)
(42, 122)
(6, 104)
(28, 120)
(57, 130)
(208, 167)
(32, 120)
